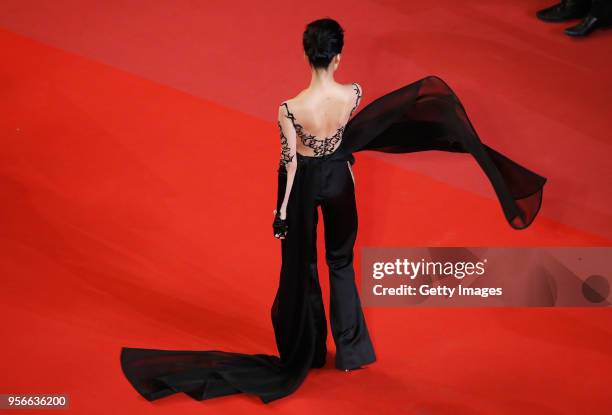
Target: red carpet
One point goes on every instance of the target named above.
(138, 173)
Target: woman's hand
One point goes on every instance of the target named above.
(279, 225)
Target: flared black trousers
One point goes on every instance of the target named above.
(327, 183)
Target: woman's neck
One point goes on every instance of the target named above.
(321, 79)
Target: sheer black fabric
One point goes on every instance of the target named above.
(427, 115)
(423, 115)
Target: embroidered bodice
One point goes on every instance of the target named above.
(320, 146)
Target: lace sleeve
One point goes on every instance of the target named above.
(287, 154)
(358, 94)
(288, 161)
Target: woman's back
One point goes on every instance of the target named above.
(319, 117)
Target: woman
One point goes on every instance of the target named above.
(311, 128)
(318, 139)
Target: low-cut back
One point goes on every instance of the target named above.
(321, 146)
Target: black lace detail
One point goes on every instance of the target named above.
(285, 156)
(358, 92)
(321, 146)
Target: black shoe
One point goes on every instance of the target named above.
(585, 27)
(566, 10)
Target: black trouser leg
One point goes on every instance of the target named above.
(316, 299)
(353, 345)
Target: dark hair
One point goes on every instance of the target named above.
(323, 39)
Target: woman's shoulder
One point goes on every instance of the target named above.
(295, 99)
(355, 87)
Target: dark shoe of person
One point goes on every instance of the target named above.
(566, 10)
(586, 26)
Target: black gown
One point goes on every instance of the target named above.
(423, 115)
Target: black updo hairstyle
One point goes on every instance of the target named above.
(323, 39)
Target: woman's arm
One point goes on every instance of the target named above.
(286, 170)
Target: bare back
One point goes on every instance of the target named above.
(319, 118)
